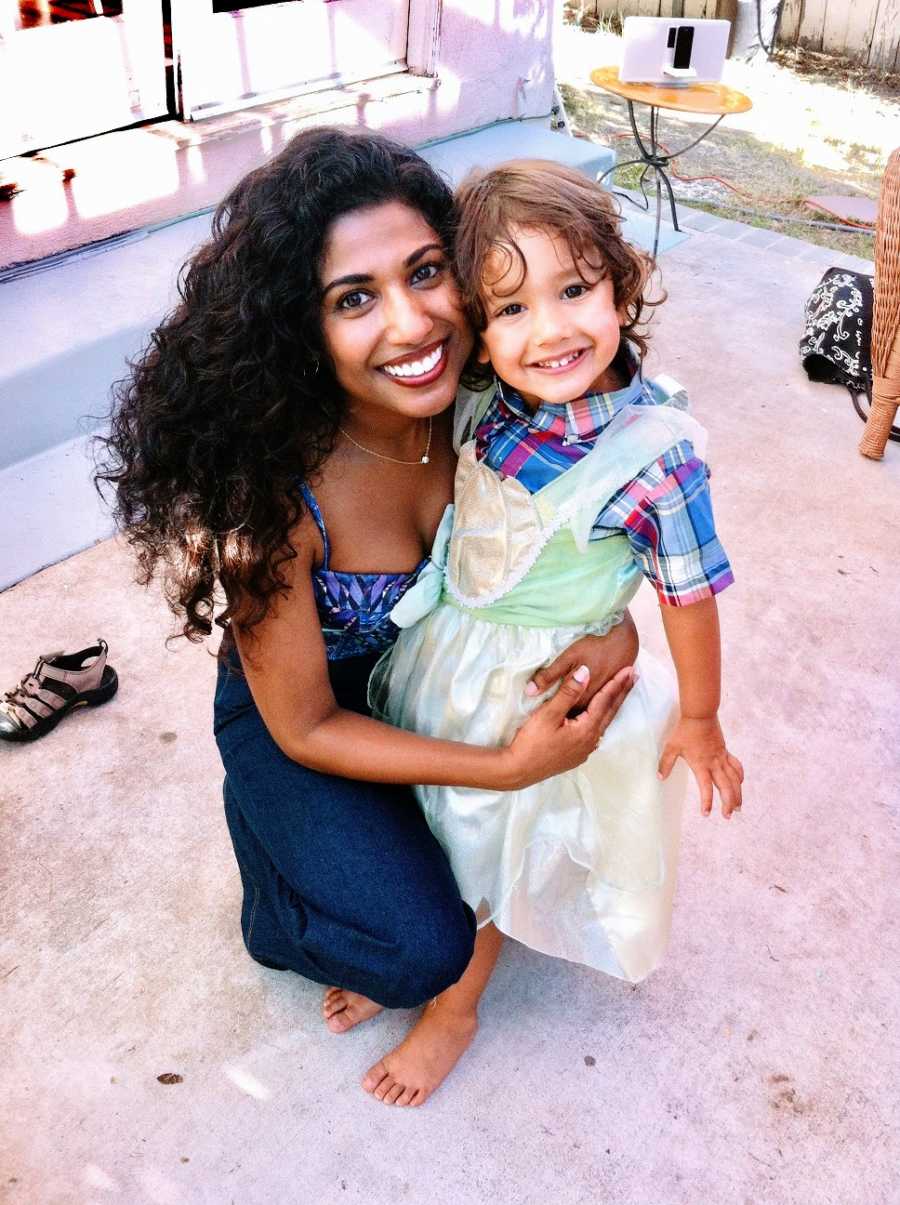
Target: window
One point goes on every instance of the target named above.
(235, 56)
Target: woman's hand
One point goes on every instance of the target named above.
(604, 656)
(549, 742)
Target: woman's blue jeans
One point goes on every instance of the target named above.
(343, 881)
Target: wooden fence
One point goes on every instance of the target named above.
(650, 8)
(867, 31)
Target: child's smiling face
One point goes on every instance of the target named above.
(555, 336)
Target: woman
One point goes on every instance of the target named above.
(287, 438)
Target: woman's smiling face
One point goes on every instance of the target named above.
(391, 314)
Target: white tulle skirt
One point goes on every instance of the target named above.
(581, 866)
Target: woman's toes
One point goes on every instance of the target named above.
(343, 1009)
(384, 1087)
(334, 996)
(339, 1022)
(374, 1076)
(425, 1057)
(393, 1095)
(334, 1006)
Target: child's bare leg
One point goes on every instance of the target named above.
(343, 1009)
(432, 1048)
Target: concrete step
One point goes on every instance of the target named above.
(532, 139)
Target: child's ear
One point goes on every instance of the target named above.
(482, 355)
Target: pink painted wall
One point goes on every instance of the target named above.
(501, 51)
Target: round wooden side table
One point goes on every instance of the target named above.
(713, 99)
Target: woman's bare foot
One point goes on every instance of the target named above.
(342, 1009)
(424, 1059)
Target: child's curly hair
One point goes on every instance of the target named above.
(540, 194)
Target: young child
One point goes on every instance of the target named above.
(579, 481)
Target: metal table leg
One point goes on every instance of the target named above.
(656, 161)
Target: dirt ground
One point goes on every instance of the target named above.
(818, 125)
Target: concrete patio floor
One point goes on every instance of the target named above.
(759, 1065)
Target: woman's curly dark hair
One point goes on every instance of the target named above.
(235, 399)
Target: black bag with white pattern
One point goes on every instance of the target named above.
(837, 339)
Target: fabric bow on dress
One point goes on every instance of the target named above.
(422, 598)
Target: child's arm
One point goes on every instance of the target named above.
(693, 635)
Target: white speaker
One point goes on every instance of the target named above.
(673, 50)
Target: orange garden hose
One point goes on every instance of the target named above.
(848, 222)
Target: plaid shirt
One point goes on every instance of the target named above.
(665, 512)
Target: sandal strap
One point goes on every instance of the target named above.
(36, 698)
(20, 715)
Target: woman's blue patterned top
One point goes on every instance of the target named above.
(354, 608)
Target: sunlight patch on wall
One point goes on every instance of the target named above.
(42, 204)
(142, 169)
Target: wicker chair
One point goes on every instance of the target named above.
(886, 316)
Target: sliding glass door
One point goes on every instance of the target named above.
(73, 68)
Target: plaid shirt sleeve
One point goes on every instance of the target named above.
(666, 513)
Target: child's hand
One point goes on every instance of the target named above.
(603, 655)
(702, 745)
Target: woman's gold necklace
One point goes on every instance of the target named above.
(423, 459)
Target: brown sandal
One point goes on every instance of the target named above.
(59, 683)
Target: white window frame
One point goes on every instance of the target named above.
(424, 37)
(422, 42)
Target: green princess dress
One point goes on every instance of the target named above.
(582, 865)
